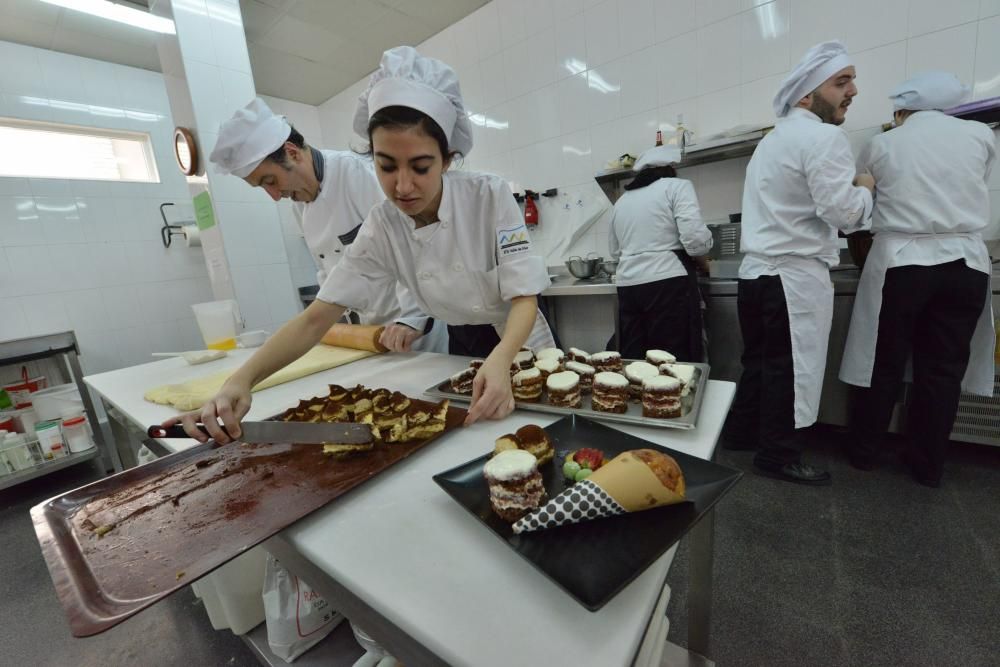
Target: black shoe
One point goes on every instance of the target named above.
(798, 473)
(919, 473)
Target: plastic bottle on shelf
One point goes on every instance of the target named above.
(76, 436)
(50, 439)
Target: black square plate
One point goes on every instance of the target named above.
(593, 561)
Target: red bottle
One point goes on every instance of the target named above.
(530, 211)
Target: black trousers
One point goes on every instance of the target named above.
(931, 312)
(763, 412)
(472, 340)
(657, 316)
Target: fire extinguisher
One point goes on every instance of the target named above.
(530, 210)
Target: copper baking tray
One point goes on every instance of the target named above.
(180, 517)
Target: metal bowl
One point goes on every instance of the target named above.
(609, 266)
(583, 269)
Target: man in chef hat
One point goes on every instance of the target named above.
(332, 193)
(925, 289)
(800, 190)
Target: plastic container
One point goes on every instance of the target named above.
(217, 322)
(7, 423)
(75, 434)
(50, 439)
(52, 402)
(5, 401)
(20, 392)
(25, 420)
(18, 453)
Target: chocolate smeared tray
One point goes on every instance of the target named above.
(125, 542)
(690, 403)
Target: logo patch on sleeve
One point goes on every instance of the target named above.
(512, 241)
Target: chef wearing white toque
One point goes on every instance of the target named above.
(332, 193)
(800, 189)
(925, 289)
(456, 240)
(656, 230)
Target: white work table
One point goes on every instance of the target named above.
(429, 581)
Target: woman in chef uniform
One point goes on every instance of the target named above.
(925, 289)
(456, 240)
(331, 191)
(656, 229)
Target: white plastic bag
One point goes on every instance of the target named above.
(297, 617)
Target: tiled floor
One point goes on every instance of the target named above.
(873, 570)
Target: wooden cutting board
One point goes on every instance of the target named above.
(193, 394)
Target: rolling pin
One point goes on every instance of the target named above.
(355, 336)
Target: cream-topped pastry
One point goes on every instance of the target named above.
(610, 392)
(524, 358)
(564, 389)
(682, 372)
(515, 484)
(576, 354)
(657, 357)
(636, 372)
(661, 397)
(586, 373)
(510, 464)
(547, 352)
(548, 365)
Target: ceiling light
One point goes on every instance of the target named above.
(116, 12)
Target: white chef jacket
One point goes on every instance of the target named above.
(649, 223)
(931, 177)
(797, 193)
(463, 269)
(348, 192)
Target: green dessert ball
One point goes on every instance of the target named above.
(570, 469)
(583, 474)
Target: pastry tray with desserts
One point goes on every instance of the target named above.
(123, 543)
(588, 506)
(658, 391)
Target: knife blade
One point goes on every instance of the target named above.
(294, 432)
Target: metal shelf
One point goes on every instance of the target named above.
(12, 479)
(697, 154)
(62, 344)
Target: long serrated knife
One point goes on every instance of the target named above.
(293, 432)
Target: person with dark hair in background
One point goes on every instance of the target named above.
(800, 189)
(331, 191)
(925, 288)
(456, 240)
(656, 231)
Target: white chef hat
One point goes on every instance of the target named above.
(406, 78)
(253, 133)
(658, 156)
(929, 90)
(819, 64)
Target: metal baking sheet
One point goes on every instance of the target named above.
(595, 560)
(178, 518)
(690, 404)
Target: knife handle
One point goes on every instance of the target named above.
(175, 431)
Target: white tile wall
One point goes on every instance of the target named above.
(78, 254)
(622, 68)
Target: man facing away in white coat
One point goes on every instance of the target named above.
(925, 289)
(800, 189)
(332, 192)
